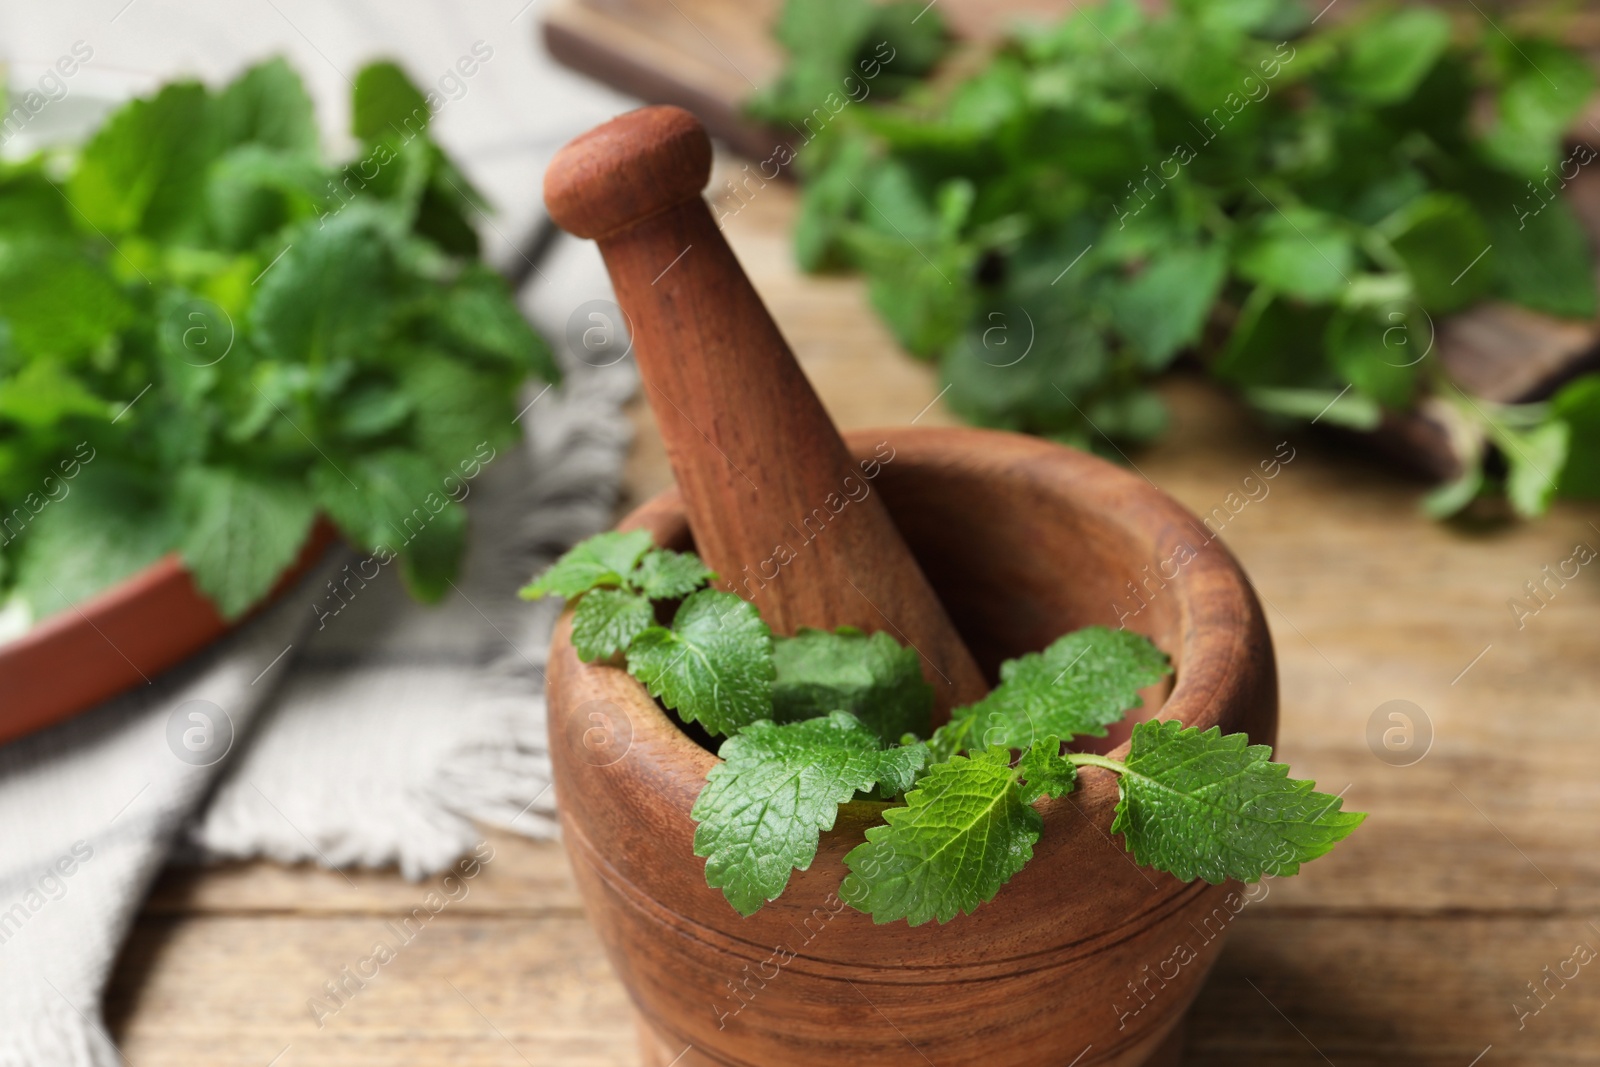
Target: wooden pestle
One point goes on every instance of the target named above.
(778, 507)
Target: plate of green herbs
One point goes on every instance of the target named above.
(215, 342)
(211, 334)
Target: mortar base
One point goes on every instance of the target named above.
(1160, 1050)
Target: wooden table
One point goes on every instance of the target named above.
(1413, 943)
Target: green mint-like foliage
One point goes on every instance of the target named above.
(213, 333)
(811, 723)
(665, 575)
(963, 832)
(1204, 805)
(1578, 407)
(1102, 188)
(714, 666)
(1077, 686)
(837, 44)
(606, 559)
(240, 531)
(606, 621)
(1044, 773)
(621, 559)
(872, 676)
(777, 788)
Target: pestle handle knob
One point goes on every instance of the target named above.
(778, 506)
(619, 174)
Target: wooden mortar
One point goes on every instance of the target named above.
(1083, 958)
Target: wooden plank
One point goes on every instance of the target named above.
(662, 54)
(465, 990)
(1376, 992)
(1368, 602)
(1288, 989)
(516, 877)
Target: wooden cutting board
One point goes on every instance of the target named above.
(710, 55)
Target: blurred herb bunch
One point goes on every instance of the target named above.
(1055, 222)
(209, 335)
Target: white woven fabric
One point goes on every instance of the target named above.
(88, 812)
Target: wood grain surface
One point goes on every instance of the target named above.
(1414, 942)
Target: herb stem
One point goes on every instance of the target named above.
(1087, 759)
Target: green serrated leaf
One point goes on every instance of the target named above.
(386, 103)
(1374, 354)
(606, 621)
(778, 788)
(479, 313)
(606, 559)
(240, 530)
(871, 676)
(145, 168)
(1439, 236)
(57, 301)
(1534, 460)
(835, 46)
(1204, 805)
(1391, 55)
(713, 667)
(268, 105)
(1542, 258)
(900, 765)
(962, 834)
(912, 34)
(108, 523)
(31, 206)
(446, 213)
(253, 191)
(1299, 251)
(1578, 405)
(396, 499)
(458, 410)
(1164, 308)
(1267, 327)
(1077, 686)
(328, 297)
(666, 575)
(1044, 773)
(373, 410)
(384, 498)
(431, 558)
(1543, 88)
(1030, 362)
(44, 394)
